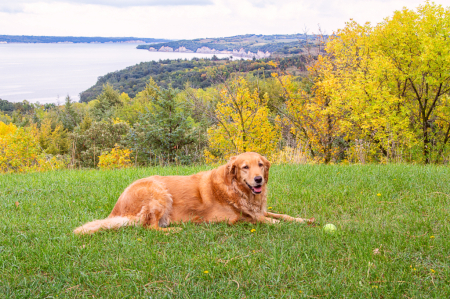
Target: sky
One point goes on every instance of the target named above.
(189, 19)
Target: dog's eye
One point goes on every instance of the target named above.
(260, 165)
(245, 167)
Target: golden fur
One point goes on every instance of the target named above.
(233, 192)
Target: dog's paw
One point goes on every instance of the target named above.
(301, 220)
(312, 222)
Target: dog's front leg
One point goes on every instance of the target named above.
(289, 218)
(264, 219)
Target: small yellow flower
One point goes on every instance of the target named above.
(410, 266)
(414, 269)
(269, 208)
(139, 239)
(374, 287)
(379, 194)
(432, 271)
(206, 272)
(300, 292)
(253, 230)
(254, 251)
(431, 237)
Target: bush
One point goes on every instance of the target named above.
(116, 158)
(20, 151)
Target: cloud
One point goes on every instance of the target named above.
(127, 3)
(14, 6)
(263, 3)
(202, 18)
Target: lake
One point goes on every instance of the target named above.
(47, 73)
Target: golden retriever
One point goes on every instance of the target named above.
(233, 192)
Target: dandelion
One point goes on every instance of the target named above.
(139, 239)
(374, 287)
(432, 271)
(414, 269)
(253, 230)
(431, 237)
(300, 292)
(206, 272)
(269, 208)
(379, 194)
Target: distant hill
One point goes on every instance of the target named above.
(176, 73)
(76, 39)
(278, 44)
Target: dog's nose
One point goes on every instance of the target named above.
(258, 179)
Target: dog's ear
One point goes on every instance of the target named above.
(266, 168)
(230, 170)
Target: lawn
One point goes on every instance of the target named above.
(392, 238)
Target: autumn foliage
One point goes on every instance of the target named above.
(381, 92)
(243, 123)
(376, 94)
(20, 151)
(116, 158)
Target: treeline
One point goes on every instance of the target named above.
(277, 44)
(74, 39)
(381, 94)
(176, 73)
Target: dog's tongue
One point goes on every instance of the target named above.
(257, 189)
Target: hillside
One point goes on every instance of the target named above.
(176, 73)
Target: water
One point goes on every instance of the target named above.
(47, 73)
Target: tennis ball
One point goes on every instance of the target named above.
(329, 228)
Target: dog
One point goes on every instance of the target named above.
(230, 193)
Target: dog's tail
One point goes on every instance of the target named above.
(108, 223)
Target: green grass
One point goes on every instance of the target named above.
(408, 222)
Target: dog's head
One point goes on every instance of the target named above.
(251, 170)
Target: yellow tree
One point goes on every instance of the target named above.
(242, 123)
(314, 119)
(392, 79)
(417, 45)
(358, 81)
(20, 151)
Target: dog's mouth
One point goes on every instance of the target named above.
(255, 189)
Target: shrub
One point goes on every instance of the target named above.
(116, 158)
(20, 151)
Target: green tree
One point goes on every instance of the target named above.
(68, 116)
(88, 144)
(105, 103)
(167, 129)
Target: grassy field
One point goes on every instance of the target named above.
(392, 239)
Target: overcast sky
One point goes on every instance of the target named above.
(188, 19)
